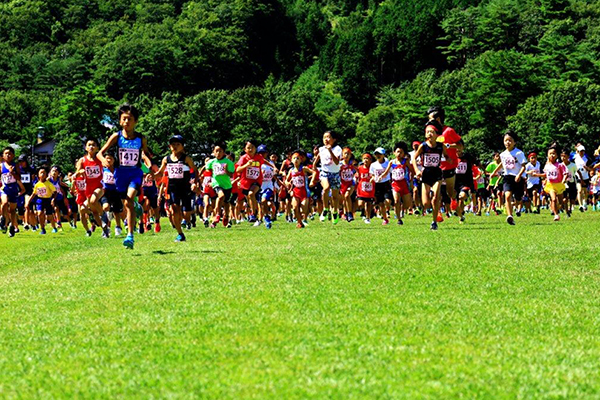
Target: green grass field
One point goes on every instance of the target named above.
(354, 311)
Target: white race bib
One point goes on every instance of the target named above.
(80, 185)
(175, 171)
(219, 168)
(252, 173)
(509, 162)
(431, 160)
(398, 174)
(42, 191)
(267, 175)
(207, 181)
(129, 157)
(367, 186)
(108, 178)
(26, 178)
(8, 178)
(346, 175)
(461, 168)
(92, 172)
(298, 181)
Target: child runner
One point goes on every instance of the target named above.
(298, 183)
(347, 172)
(400, 175)
(571, 184)
(512, 161)
(267, 193)
(556, 175)
(431, 176)
(222, 169)
(90, 167)
(178, 166)
(464, 180)
(493, 186)
(28, 179)
(131, 146)
(365, 187)
(61, 207)
(111, 201)
(383, 186)
(329, 155)
(44, 193)
(12, 188)
(532, 169)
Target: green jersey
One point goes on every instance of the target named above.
(491, 168)
(219, 169)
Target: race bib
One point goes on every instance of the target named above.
(461, 168)
(92, 172)
(378, 172)
(175, 171)
(8, 178)
(398, 174)
(346, 175)
(367, 186)
(219, 169)
(268, 175)
(481, 180)
(109, 178)
(298, 181)
(80, 185)
(509, 162)
(129, 157)
(207, 181)
(42, 191)
(431, 160)
(552, 173)
(252, 173)
(26, 178)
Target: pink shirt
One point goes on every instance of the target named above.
(555, 172)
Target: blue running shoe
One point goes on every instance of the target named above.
(180, 238)
(128, 242)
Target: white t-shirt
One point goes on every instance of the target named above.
(571, 172)
(581, 162)
(512, 161)
(267, 172)
(327, 164)
(377, 169)
(419, 161)
(532, 180)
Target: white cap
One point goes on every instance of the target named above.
(580, 148)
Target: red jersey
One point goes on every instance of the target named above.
(299, 184)
(80, 188)
(365, 187)
(400, 175)
(253, 174)
(207, 184)
(93, 175)
(450, 137)
(347, 173)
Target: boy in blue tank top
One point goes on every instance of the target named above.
(12, 188)
(132, 149)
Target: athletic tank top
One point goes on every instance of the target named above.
(8, 179)
(299, 184)
(178, 172)
(129, 151)
(432, 156)
(93, 170)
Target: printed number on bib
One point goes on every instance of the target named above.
(431, 160)
(175, 171)
(207, 181)
(298, 181)
(367, 186)
(26, 178)
(7, 179)
(553, 173)
(219, 169)
(347, 175)
(80, 185)
(129, 157)
(109, 178)
(509, 162)
(42, 191)
(92, 172)
(461, 168)
(252, 173)
(267, 175)
(398, 174)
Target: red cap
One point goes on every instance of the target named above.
(533, 153)
(416, 142)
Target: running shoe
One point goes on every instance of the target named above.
(54, 230)
(434, 226)
(400, 221)
(43, 231)
(128, 242)
(11, 231)
(180, 238)
(510, 220)
(157, 227)
(118, 231)
(367, 221)
(336, 219)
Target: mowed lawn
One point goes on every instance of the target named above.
(481, 310)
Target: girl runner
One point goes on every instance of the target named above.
(431, 176)
(556, 176)
(532, 169)
(178, 166)
(90, 168)
(365, 187)
(44, 193)
(329, 155)
(297, 183)
(222, 169)
(12, 188)
(347, 173)
(400, 169)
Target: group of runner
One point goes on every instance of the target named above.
(119, 182)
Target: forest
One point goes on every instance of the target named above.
(284, 71)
